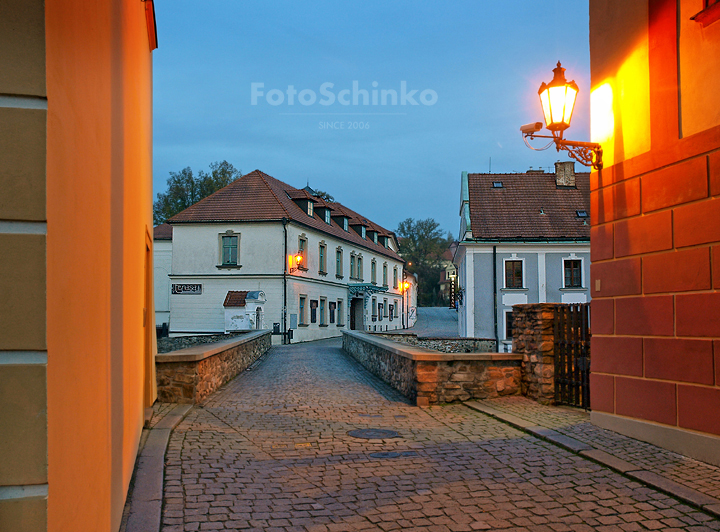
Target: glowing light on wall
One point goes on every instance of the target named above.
(602, 120)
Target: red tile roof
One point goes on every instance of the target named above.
(259, 197)
(162, 232)
(528, 207)
(235, 298)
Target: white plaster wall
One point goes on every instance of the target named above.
(196, 248)
(162, 264)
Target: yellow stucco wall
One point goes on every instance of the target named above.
(99, 209)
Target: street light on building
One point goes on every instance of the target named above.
(557, 99)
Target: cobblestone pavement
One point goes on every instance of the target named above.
(441, 322)
(271, 451)
(575, 423)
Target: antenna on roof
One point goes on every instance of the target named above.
(490, 166)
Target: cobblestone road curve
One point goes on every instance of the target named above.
(271, 451)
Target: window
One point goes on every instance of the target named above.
(345, 224)
(573, 273)
(380, 311)
(374, 309)
(313, 310)
(375, 237)
(359, 268)
(340, 315)
(373, 272)
(339, 263)
(327, 216)
(513, 274)
(508, 325)
(230, 250)
(385, 274)
(302, 247)
(310, 208)
(385, 307)
(322, 255)
(302, 318)
(352, 266)
(331, 308)
(396, 308)
(391, 312)
(362, 231)
(323, 319)
(395, 277)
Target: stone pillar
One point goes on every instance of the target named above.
(533, 337)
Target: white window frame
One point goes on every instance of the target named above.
(514, 258)
(505, 332)
(228, 233)
(302, 309)
(573, 256)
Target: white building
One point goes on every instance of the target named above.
(320, 266)
(162, 264)
(524, 238)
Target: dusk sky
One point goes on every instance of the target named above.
(476, 67)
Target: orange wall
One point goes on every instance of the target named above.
(99, 150)
(655, 239)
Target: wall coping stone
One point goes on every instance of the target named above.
(428, 355)
(200, 352)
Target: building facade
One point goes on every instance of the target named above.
(656, 222)
(162, 265)
(321, 266)
(524, 238)
(76, 326)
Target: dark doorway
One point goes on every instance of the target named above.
(356, 312)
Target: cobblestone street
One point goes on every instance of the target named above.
(271, 451)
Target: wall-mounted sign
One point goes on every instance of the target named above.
(185, 289)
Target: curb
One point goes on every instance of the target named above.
(147, 496)
(687, 495)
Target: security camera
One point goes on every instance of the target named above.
(529, 129)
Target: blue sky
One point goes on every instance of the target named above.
(483, 59)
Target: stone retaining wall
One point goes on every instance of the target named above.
(190, 375)
(430, 377)
(534, 339)
(444, 345)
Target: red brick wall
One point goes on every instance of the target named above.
(655, 245)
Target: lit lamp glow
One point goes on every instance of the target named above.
(558, 101)
(295, 262)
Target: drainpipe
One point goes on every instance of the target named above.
(284, 309)
(495, 301)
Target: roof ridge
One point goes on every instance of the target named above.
(262, 176)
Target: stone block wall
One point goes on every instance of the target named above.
(533, 338)
(190, 375)
(430, 377)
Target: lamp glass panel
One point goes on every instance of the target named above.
(557, 103)
(569, 104)
(546, 106)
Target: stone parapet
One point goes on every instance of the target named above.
(534, 340)
(190, 375)
(431, 377)
(444, 345)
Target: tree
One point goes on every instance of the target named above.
(184, 189)
(422, 245)
(324, 196)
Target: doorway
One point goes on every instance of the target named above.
(356, 314)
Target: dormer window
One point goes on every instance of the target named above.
(362, 231)
(345, 224)
(310, 208)
(327, 216)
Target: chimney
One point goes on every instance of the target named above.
(565, 174)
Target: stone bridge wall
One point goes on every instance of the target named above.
(190, 375)
(430, 377)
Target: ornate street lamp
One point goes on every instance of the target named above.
(558, 100)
